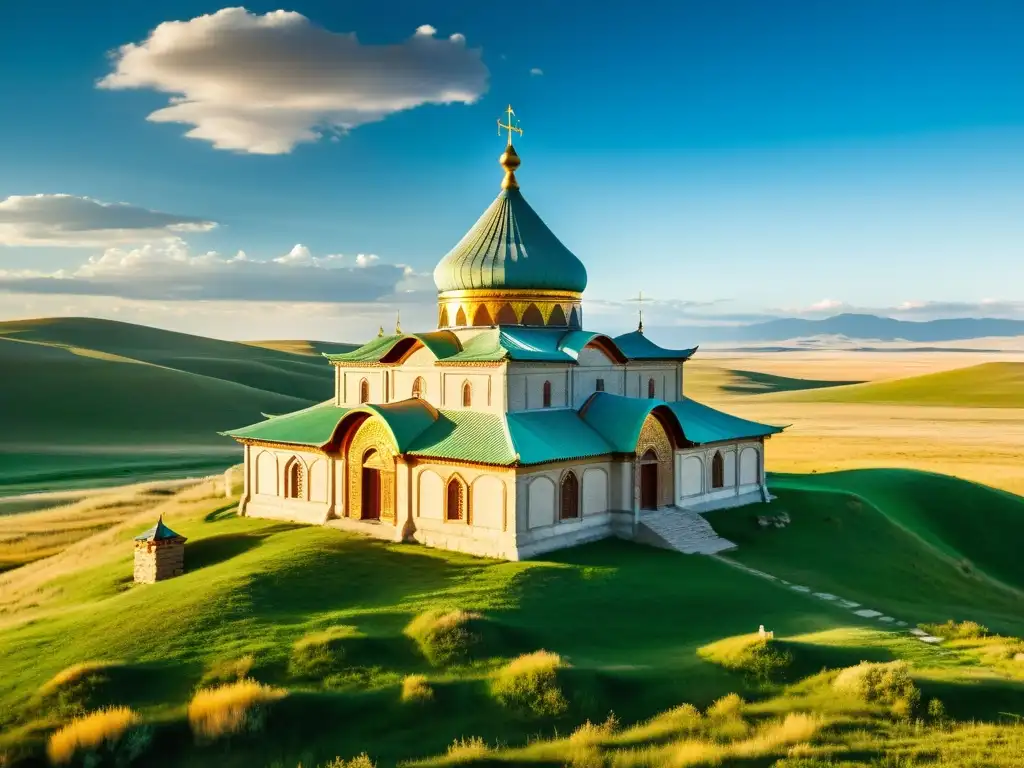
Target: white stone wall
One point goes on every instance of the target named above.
(489, 528)
(443, 384)
(743, 464)
(266, 485)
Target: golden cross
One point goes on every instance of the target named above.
(640, 305)
(508, 126)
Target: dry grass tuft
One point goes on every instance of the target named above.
(90, 734)
(228, 671)
(444, 637)
(359, 761)
(889, 683)
(416, 690)
(730, 705)
(952, 630)
(318, 654)
(74, 675)
(230, 709)
(467, 749)
(529, 683)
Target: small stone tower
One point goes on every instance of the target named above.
(159, 554)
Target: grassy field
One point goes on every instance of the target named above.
(100, 402)
(989, 385)
(318, 617)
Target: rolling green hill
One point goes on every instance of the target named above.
(94, 400)
(710, 381)
(989, 385)
(638, 630)
(912, 544)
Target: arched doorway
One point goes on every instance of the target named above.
(649, 480)
(370, 486)
(370, 481)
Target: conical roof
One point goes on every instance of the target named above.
(158, 532)
(510, 247)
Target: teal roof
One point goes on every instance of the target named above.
(636, 346)
(510, 247)
(552, 435)
(311, 426)
(442, 344)
(513, 343)
(703, 424)
(619, 420)
(467, 436)
(159, 532)
(314, 427)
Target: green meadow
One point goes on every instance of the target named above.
(426, 657)
(989, 385)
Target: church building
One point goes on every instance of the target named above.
(510, 430)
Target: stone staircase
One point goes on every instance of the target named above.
(682, 530)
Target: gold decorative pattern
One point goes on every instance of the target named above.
(489, 307)
(372, 434)
(654, 437)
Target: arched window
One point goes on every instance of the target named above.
(532, 316)
(574, 318)
(599, 385)
(482, 317)
(455, 500)
(507, 316)
(460, 318)
(467, 395)
(442, 321)
(293, 480)
(364, 391)
(649, 455)
(570, 508)
(650, 388)
(547, 394)
(718, 471)
(557, 317)
(419, 387)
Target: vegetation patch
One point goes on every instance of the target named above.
(446, 637)
(113, 734)
(228, 671)
(759, 659)
(887, 683)
(530, 684)
(416, 690)
(319, 654)
(78, 688)
(230, 709)
(952, 630)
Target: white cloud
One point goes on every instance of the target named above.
(537, 71)
(169, 271)
(70, 221)
(826, 305)
(262, 84)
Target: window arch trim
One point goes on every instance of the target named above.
(569, 497)
(717, 471)
(456, 500)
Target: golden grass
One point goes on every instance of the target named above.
(416, 690)
(444, 637)
(467, 749)
(76, 673)
(90, 732)
(231, 708)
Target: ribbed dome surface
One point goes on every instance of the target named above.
(510, 247)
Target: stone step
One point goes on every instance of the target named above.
(682, 530)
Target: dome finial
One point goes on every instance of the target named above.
(640, 308)
(509, 159)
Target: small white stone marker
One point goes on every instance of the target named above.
(798, 588)
(867, 613)
(886, 619)
(849, 604)
(918, 632)
(825, 596)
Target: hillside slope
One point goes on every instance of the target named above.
(90, 401)
(921, 546)
(989, 385)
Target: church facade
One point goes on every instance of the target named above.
(509, 430)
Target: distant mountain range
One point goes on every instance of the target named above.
(852, 326)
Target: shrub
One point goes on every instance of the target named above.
(937, 710)
(416, 689)
(888, 683)
(318, 654)
(230, 709)
(73, 690)
(529, 683)
(951, 630)
(113, 732)
(730, 705)
(444, 637)
(228, 671)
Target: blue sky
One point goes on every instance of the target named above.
(731, 159)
